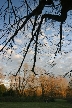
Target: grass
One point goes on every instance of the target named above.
(58, 104)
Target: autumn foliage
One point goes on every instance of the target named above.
(41, 87)
(44, 85)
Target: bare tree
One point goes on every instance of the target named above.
(30, 16)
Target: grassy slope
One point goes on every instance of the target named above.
(57, 104)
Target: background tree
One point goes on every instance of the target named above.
(61, 86)
(69, 92)
(2, 76)
(2, 89)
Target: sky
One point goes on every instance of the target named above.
(63, 60)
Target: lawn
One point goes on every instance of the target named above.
(57, 104)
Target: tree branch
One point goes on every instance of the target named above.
(36, 45)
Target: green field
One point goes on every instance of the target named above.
(57, 104)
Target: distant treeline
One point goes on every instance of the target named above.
(44, 88)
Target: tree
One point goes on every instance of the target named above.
(70, 83)
(29, 16)
(1, 76)
(2, 89)
(47, 86)
(69, 91)
(61, 86)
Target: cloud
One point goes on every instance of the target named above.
(63, 64)
(15, 47)
(31, 52)
(17, 56)
(18, 41)
(1, 46)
